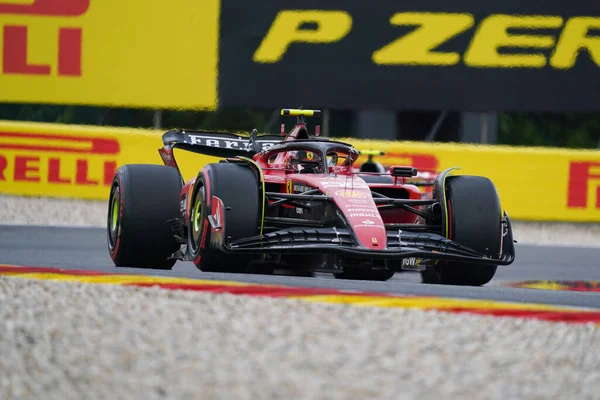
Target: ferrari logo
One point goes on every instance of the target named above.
(374, 240)
(289, 187)
(309, 155)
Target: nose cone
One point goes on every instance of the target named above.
(361, 212)
(353, 198)
(368, 227)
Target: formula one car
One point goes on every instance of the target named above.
(296, 203)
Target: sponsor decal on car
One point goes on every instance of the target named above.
(367, 226)
(357, 201)
(412, 263)
(371, 215)
(301, 188)
(289, 186)
(361, 210)
(351, 194)
(355, 184)
(228, 143)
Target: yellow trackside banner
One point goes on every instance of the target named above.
(533, 183)
(137, 53)
(76, 161)
(80, 161)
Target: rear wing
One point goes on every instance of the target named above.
(218, 144)
(215, 144)
(224, 144)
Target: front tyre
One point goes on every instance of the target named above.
(142, 199)
(474, 221)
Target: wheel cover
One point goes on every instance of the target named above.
(197, 215)
(115, 214)
(196, 221)
(113, 218)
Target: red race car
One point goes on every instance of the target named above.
(296, 202)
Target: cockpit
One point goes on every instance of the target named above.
(312, 158)
(304, 162)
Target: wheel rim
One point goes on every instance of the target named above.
(196, 221)
(113, 218)
(197, 213)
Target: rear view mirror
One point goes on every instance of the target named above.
(404, 172)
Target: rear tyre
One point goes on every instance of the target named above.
(475, 221)
(142, 199)
(237, 187)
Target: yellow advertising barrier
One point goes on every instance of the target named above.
(80, 161)
(533, 183)
(136, 53)
(76, 161)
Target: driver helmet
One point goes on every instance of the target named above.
(332, 159)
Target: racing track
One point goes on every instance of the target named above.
(85, 248)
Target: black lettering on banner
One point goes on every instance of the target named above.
(462, 54)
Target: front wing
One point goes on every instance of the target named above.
(400, 245)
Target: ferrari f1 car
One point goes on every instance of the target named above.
(296, 202)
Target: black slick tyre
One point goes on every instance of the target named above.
(237, 187)
(474, 221)
(142, 199)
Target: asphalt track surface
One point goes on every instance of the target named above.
(85, 249)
